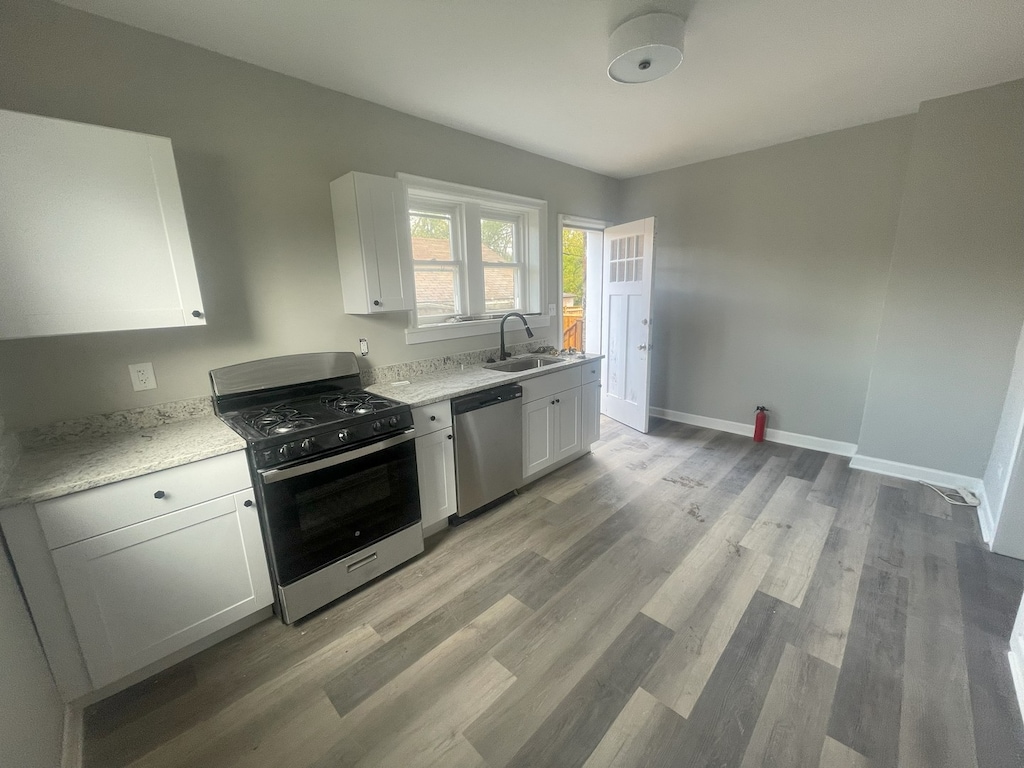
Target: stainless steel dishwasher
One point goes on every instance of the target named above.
(488, 446)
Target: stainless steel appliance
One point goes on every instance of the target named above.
(488, 446)
(334, 470)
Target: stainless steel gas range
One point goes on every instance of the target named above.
(334, 470)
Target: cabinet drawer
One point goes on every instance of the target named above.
(591, 371)
(545, 386)
(430, 418)
(107, 508)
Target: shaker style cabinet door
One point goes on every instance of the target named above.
(569, 434)
(591, 413)
(540, 423)
(142, 592)
(93, 234)
(435, 463)
(371, 228)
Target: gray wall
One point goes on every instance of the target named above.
(256, 152)
(770, 276)
(31, 712)
(955, 303)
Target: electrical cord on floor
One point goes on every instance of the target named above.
(961, 497)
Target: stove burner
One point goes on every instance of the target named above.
(357, 403)
(278, 421)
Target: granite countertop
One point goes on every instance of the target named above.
(60, 468)
(444, 385)
(99, 450)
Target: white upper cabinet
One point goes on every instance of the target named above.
(92, 231)
(371, 226)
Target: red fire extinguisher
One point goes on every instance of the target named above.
(760, 422)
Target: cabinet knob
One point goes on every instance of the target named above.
(159, 495)
(433, 418)
(552, 402)
(376, 302)
(450, 437)
(196, 313)
(247, 503)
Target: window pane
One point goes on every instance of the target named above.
(499, 241)
(501, 288)
(436, 292)
(431, 236)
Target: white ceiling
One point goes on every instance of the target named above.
(532, 73)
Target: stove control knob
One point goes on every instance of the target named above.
(307, 445)
(377, 426)
(285, 451)
(343, 435)
(393, 421)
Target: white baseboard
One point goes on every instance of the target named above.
(747, 430)
(1016, 656)
(71, 747)
(914, 472)
(985, 519)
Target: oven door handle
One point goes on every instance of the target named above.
(269, 476)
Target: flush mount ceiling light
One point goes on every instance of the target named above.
(645, 48)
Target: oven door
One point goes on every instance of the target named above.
(320, 511)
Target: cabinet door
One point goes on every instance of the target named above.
(591, 413)
(387, 247)
(435, 463)
(569, 431)
(539, 425)
(93, 234)
(142, 592)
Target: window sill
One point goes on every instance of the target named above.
(462, 330)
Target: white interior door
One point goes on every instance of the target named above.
(626, 277)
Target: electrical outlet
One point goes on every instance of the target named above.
(364, 348)
(142, 376)
(552, 309)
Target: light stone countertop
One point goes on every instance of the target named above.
(58, 469)
(444, 385)
(65, 463)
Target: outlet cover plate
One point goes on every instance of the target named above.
(142, 376)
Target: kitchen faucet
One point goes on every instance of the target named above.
(502, 354)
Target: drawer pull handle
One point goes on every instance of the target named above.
(365, 561)
(159, 495)
(247, 503)
(433, 418)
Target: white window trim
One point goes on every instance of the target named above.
(535, 252)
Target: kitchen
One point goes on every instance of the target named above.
(256, 153)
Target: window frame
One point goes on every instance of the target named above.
(458, 248)
(474, 205)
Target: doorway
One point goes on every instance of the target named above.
(581, 242)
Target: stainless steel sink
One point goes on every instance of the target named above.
(516, 364)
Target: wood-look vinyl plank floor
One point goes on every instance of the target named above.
(681, 598)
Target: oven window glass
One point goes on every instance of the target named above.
(318, 518)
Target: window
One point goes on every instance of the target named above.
(477, 254)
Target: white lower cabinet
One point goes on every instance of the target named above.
(140, 593)
(435, 463)
(561, 417)
(539, 426)
(552, 430)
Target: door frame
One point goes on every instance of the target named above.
(574, 222)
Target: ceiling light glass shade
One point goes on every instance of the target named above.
(645, 48)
